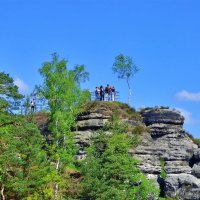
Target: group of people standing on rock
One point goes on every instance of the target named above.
(107, 94)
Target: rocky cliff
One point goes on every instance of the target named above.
(165, 140)
(168, 141)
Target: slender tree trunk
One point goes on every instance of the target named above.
(129, 95)
(2, 190)
(58, 162)
(56, 188)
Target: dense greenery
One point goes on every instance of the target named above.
(8, 91)
(110, 172)
(61, 88)
(35, 167)
(24, 168)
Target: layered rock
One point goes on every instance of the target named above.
(87, 123)
(169, 141)
(184, 186)
(166, 140)
(95, 117)
(196, 163)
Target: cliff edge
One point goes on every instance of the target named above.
(166, 146)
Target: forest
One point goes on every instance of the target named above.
(34, 166)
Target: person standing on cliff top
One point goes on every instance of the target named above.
(33, 105)
(101, 93)
(97, 94)
(113, 93)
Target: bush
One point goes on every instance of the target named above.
(110, 172)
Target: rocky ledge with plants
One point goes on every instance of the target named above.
(166, 153)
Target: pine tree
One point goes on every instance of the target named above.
(8, 91)
(24, 168)
(110, 172)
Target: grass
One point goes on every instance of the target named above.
(114, 108)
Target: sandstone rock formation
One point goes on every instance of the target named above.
(166, 139)
(169, 141)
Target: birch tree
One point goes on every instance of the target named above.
(125, 69)
(61, 88)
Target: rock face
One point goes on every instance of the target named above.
(96, 116)
(169, 141)
(185, 186)
(88, 122)
(166, 140)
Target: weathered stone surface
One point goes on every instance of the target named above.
(158, 130)
(92, 124)
(83, 137)
(165, 140)
(92, 115)
(168, 140)
(177, 167)
(166, 116)
(185, 186)
(197, 155)
(196, 170)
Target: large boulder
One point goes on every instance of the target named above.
(184, 186)
(162, 115)
(197, 155)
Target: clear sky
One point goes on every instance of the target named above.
(162, 37)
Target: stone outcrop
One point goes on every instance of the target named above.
(196, 163)
(184, 186)
(97, 114)
(88, 122)
(166, 139)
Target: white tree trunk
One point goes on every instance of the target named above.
(129, 95)
(56, 188)
(58, 163)
(2, 190)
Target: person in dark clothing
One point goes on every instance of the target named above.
(107, 93)
(101, 93)
(33, 105)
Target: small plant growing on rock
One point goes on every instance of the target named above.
(163, 173)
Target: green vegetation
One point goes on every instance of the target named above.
(35, 165)
(8, 92)
(163, 173)
(61, 89)
(195, 140)
(113, 108)
(110, 172)
(24, 167)
(155, 108)
(125, 68)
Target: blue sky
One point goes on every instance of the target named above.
(162, 37)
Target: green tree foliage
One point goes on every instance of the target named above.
(8, 91)
(125, 68)
(110, 172)
(61, 88)
(24, 169)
